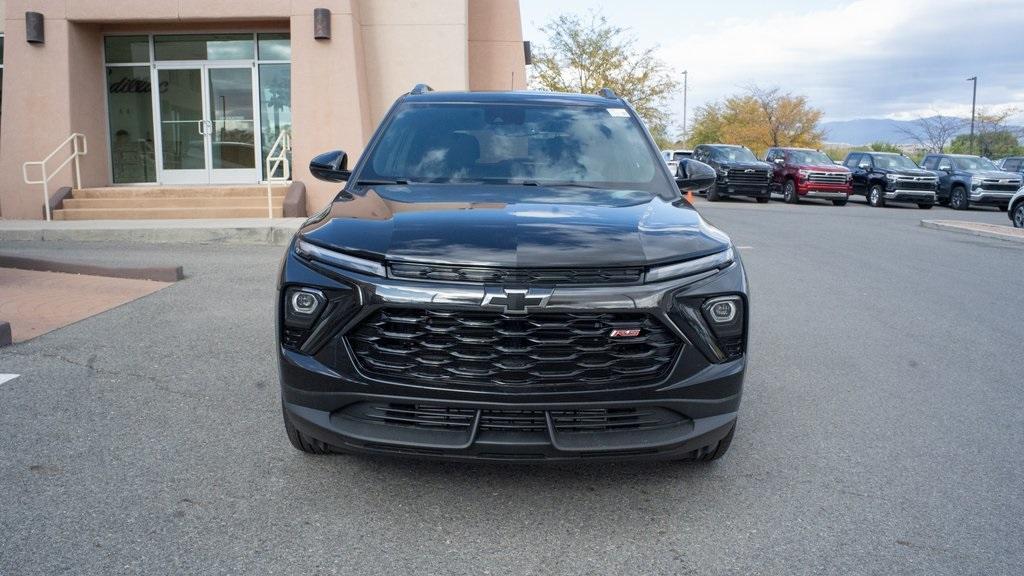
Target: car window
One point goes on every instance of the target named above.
(733, 154)
(853, 160)
(809, 157)
(973, 163)
(1012, 164)
(945, 164)
(928, 163)
(893, 162)
(681, 155)
(503, 143)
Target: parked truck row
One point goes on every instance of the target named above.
(797, 174)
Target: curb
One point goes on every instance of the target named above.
(159, 274)
(273, 235)
(975, 229)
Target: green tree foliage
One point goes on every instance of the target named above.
(884, 147)
(585, 54)
(758, 119)
(991, 144)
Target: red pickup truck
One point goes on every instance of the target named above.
(801, 173)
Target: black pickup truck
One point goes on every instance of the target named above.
(884, 177)
(740, 173)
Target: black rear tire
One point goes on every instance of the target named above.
(714, 451)
(925, 206)
(304, 443)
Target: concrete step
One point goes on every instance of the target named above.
(163, 213)
(177, 192)
(174, 202)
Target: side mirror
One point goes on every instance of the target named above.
(780, 161)
(694, 176)
(330, 166)
(864, 166)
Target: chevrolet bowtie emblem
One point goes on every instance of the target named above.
(516, 300)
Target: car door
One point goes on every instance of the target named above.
(860, 176)
(776, 168)
(944, 169)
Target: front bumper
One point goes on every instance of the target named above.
(823, 191)
(727, 188)
(990, 197)
(914, 196)
(322, 390)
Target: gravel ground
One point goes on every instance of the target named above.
(880, 431)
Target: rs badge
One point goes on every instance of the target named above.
(625, 332)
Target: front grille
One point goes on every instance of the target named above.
(916, 183)
(1000, 186)
(744, 178)
(827, 177)
(489, 349)
(433, 417)
(532, 276)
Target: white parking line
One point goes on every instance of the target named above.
(5, 378)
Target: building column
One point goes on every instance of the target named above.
(330, 110)
(50, 91)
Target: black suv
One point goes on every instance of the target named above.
(884, 177)
(509, 276)
(740, 173)
(966, 180)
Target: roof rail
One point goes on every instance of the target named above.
(607, 93)
(420, 89)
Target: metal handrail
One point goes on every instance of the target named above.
(75, 138)
(277, 158)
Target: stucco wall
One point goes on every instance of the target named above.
(341, 87)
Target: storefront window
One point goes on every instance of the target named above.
(126, 49)
(275, 103)
(204, 47)
(275, 46)
(130, 105)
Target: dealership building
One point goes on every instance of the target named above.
(171, 108)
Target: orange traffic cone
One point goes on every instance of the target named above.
(689, 196)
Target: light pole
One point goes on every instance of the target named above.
(974, 100)
(685, 78)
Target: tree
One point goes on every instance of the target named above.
(997, 144)
(932, 133)
(759, 119)
(884, 147)
(586, 54)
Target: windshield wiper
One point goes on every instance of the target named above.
(380, 182)
(557, 184)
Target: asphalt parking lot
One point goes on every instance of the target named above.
(880, 431)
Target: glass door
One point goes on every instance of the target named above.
(207, 124)
(232, 137)
(182, 125)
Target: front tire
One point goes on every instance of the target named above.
(876, 197)
(925, 206)
(839, 202)
(958, 199)
(713, 193)
(763, 199)
(304, 443)
(789, 194)
(1018, 216)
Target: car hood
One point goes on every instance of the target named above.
(823, 168)
(912, 172)
(995, 174)
(746, 165)
(513, 226)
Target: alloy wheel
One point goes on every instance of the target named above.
(1018, 216)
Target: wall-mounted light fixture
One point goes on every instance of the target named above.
(527, 52)
(321, 24)
(34, 28)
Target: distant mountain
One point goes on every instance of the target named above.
(867, 130)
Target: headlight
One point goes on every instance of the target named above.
(715, 324)
(977, 180)
(804, 173)
(346, 261)
(891, 177)
(691, 267)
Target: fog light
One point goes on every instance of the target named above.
(722, 311)
(724, 315)
(304, 303)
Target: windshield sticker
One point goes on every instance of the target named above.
(618, 112)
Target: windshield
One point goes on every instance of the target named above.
(894, 162)
(515, 144)
(681, 155)
(809, 157)
(973, 163)
(733, 154)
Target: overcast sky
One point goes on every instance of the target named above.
(853, 59)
